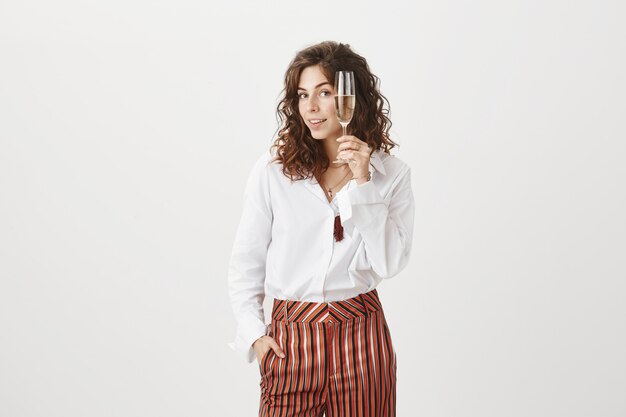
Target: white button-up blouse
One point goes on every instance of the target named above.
(285, 248)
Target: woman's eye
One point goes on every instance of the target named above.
(302, 95)
(325, 92)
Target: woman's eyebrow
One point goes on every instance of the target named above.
(319, 85)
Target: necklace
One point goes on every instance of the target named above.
(330, 189)
(338, 228)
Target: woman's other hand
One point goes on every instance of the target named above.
(263, 344)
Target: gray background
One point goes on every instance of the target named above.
(128, 129)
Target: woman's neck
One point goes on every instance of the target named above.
(330, 147)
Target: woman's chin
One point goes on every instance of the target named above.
(317, 136)
(323, 136)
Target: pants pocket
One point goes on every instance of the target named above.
(264, 359)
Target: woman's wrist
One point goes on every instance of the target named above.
(363, 179)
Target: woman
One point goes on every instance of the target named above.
(318, 236)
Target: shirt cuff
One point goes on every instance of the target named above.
(247, 333)
(365, 195)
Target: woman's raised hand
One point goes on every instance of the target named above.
(356, 152)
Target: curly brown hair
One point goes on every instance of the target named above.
(299, 153)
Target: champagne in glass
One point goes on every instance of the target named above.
(345, 109)
(345, 100)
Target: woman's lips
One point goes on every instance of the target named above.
(316, 125)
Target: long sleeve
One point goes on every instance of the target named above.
(246, 271)
(386, 227)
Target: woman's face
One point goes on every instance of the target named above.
(316, 104)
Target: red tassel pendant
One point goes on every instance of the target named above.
(338, 229)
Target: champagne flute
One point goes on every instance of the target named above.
(345, 100)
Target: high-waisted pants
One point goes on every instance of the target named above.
(339, 360)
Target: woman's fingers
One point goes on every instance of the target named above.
(276, 348)
(355, 146)
(351, 142)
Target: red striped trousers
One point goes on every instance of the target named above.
(339, 360)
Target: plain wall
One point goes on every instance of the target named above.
(128, 129)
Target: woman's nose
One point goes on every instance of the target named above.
(313, 104)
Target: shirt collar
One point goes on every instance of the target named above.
(377, 162)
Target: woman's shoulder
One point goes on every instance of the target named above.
(391, 163)
(266, 162)
(267, 157)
